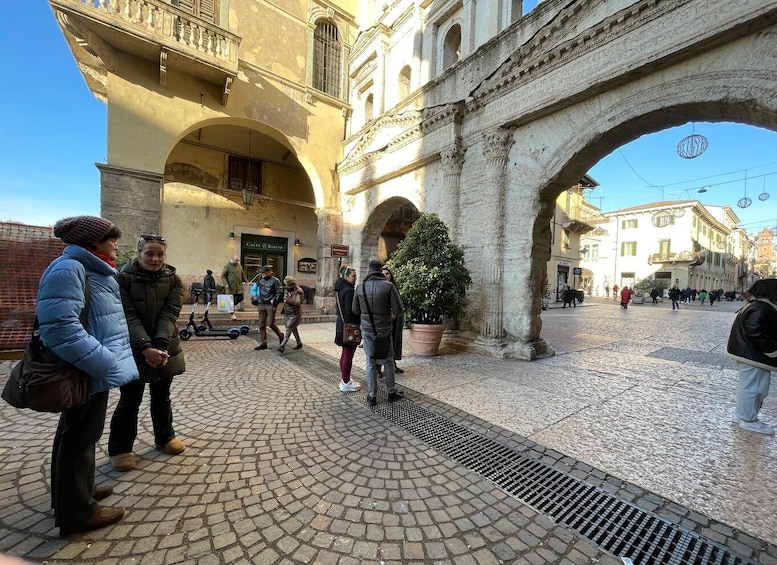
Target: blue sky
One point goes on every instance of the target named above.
(54, 133)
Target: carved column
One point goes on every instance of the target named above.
(131, 199)
(452, 160)
(496, 146)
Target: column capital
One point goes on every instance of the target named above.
(496, 145)
(452, 159)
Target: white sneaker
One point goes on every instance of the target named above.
(350, 386)
(234, 317)
(758, 427)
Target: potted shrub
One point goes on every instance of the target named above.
(432, 281)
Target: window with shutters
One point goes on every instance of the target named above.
(203, 9)
(326, 58)
(244, 174)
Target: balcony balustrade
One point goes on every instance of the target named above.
(157, 31)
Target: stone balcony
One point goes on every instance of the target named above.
(684, 258)
(153, 30)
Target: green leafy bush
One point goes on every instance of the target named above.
(430, 273)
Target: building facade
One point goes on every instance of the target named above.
(474, 110)
(679, 243)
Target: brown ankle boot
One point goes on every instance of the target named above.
(101, 517)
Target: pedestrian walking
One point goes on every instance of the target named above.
(625, 297)
(615, 289)
(344, 291)
(674, 295)
(209, 286)
(292, 311)
(266, 294)
(377, 302)
(752, 343)
(152, 297)
(100, 348)
(570, 297)
(233, 277)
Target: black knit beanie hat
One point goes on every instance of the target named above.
(84, 231)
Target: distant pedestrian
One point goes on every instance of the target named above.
(753, 345)
(569, 297)
(209, 286)
(654, 295)
(615, 291)
(702, 296)
(625, 297)
(233, 277)
(267, 293)
(713, 296)
(607, 290)
(292, 311)
(674, 295)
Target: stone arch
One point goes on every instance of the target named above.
(374, 226)
(613, 119)
(264, 129)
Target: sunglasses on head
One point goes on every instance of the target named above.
(158, 238)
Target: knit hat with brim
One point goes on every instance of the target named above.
(84, 231)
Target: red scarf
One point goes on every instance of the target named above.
(103, 257)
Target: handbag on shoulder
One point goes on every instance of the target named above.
(352, 333)
(43, 382)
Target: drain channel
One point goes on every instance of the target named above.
(616, 526)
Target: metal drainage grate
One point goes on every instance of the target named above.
(610, 523)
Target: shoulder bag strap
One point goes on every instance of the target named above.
(339, 308)
(369, 311)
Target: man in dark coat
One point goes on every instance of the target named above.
(377, 302)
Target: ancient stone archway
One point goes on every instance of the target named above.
(517, 129)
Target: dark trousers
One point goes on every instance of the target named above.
(124, 424)
(72, 460)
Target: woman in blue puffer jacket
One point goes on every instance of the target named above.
(101, 349)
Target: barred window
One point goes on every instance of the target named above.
(326, 59)
(244, 174)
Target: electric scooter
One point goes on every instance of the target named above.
(202, 329)
(208, 326)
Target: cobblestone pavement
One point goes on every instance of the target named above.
(283, 468)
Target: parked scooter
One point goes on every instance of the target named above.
(205, 328)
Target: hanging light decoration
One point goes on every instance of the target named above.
(744, 202)
(692, 146)
(764, 196)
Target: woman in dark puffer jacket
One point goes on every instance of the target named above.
(152, 295)
(753, 345)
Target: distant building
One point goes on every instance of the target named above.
(765, 254)
(680, 243)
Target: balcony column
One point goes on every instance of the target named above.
(452, 160)
(496, 147)
(131, 199)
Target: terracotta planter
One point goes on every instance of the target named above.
(425, 338)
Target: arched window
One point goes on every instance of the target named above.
(451, 49)
(368, 109)
(326, 59)
(404, 83)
